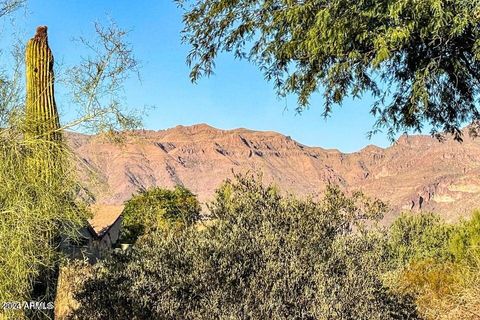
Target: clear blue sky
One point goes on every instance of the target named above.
(236, 96)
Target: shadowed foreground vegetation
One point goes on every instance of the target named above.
(268, 256)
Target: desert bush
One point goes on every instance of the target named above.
(418, 236)
(442, 289)
(352, 277)
(72, 275)
(35, 210)
(465, 240)
(438, 264)
(158, 209)
(266, 256)
(414, 237)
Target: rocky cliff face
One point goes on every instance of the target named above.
(416, 173)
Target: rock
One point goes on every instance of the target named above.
(417, 172)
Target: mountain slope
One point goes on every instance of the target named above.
(417, 172)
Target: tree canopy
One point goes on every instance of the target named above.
(418, 59)
(159, 209)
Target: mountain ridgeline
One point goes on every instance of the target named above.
(415, 173)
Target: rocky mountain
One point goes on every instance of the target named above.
(415, 173)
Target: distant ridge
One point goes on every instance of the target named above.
(417, 172)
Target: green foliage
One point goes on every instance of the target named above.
(264, 256)
(38, 193)
(158, 209)
(414, 237)
(354, 271)
(418, 236)
(35, 210)
(437, 263)
(418, 59)
(96, 85)
(465, 240)
(442, 289)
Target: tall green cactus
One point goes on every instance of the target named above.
(41, 111)
(42, 132)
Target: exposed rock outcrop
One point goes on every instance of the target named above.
(417, 172)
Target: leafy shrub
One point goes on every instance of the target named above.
(465, 240)
(35, 212)
(418, 236)
(158, 209)
(266, 256)
(442, 289)
(428, 275)
(438, 264)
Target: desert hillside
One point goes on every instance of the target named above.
(417, 172)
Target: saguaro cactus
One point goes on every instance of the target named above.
(41, 111)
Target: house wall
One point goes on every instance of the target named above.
(95, 247)
(99, 247)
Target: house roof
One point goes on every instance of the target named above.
(104, 216)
